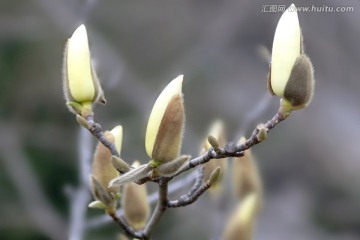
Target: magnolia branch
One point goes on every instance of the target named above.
(159, 210)
(195, 192)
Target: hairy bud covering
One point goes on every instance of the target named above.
(166, 122)
(135, 204)
(291, 72)
(103, 170)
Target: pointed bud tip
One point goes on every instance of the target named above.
(117, 132)
(215, 175)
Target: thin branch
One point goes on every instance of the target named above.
(198, 181)
(189, 199)
(231, 149)
(97, 131)
(152, 198)
(127, 229)
(159, 210)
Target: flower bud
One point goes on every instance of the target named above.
(217, 137)
(81, 85)
(245, 175)
(103, 170)
(291, 72)
(240, 225)
(135, 204)
(166, 122)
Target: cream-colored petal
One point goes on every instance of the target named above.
(79, 75)
(117, 132)
(157, 113)
(286, 48)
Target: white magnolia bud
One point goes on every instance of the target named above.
(291, 74)
(286, 48)
(240, 225)
(81, 85)
(166, 122)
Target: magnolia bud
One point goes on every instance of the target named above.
(217, 139)
(240, 225)
(103, 170)
(291, 72)
(81, 85)
(166, 122)
(97, 204)
(135, 204)
(245, 175)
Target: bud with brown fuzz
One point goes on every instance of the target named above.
(166, 123)
(135, 204)
(291, 74)
(103, 170)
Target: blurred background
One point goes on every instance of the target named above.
(310, 163)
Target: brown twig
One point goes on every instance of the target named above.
(127, 229)
(190, 197)
(159, 210)
(97, 132)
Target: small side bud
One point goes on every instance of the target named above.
(82, 121)
(262, 134)
(216, 139)
(214, 143)
(215, 175)
(135, 204)
(97, 205)
(120, 164)
(171, 168)
(166, 123)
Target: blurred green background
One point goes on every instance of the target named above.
(310, 163)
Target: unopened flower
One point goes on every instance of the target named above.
(166, 122)
(291, 74)
(81, 85)
(245, 175)
(103, 170)
(135, 203)
(217, 136)
(241, 223)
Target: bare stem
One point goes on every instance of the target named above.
(188, 199)
(231, 149)
(96, 131)
(159, 210)
(127, 229)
